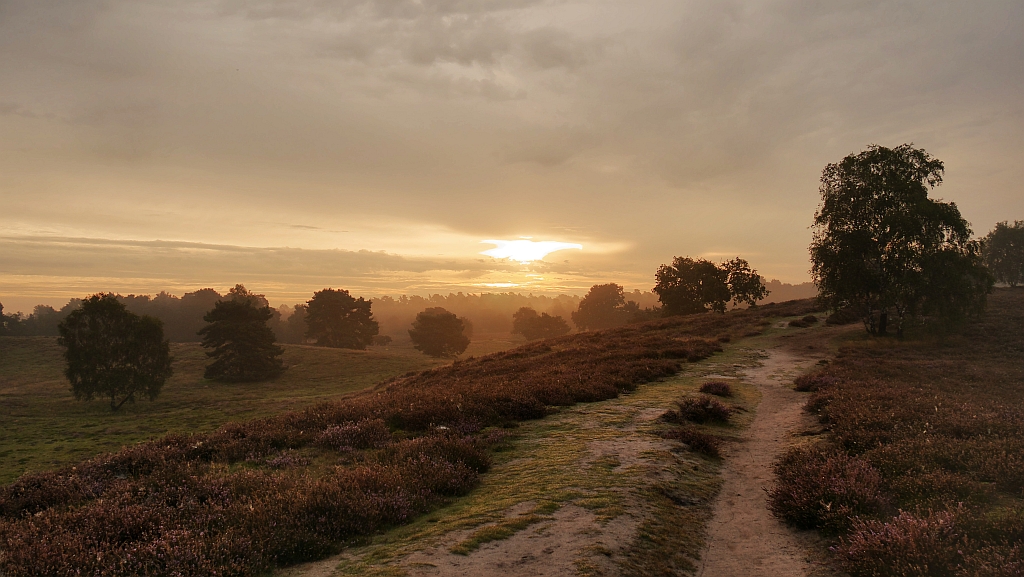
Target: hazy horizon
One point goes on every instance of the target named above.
(378, 146)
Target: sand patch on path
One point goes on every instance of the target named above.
(743, 537)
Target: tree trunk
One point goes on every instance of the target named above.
(883, 320)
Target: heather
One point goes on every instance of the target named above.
(922, 471)
(279, 490)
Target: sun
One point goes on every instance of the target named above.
(524, 251)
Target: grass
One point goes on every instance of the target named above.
(922, 470)
(45, 427)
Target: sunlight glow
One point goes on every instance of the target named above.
(524, 251)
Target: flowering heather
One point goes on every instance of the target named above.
(696, 440)
(717, 388)
(928, 432)
(702, 409)
(276, 491)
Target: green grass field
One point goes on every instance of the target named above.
(43, 426)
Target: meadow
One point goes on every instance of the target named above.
(293, 487)
(45, 427)
(921, 469)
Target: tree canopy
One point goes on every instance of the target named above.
(335, 319)
(603, 307)
(1004, 252)
(535, 326)
(880, 245)
(111, 352)
(689, 286)
(242, 344)
(439, 333)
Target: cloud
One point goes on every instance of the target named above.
(678, 127)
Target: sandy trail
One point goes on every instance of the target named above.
(743, 537)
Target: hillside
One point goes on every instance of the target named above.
(340, 470)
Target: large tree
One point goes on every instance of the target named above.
(335, 319)
(689, 286)
(242, 344)
(439, 333)
(603, 307)
(535, 326)
(112, 352)
(1004, 252)
(881, 246)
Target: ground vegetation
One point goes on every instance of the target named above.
(275, 491)
(922, 468)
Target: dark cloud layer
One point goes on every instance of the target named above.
(418, 127)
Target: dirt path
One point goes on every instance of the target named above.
(743, 537)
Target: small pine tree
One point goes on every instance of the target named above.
(243, 345)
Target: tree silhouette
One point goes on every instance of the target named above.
(243, 345)
(535, 326)
(690, 286)
(335, 319)
(1004, 252)
(439, 333)
(112, 352)
(603, 307)
(881, 245)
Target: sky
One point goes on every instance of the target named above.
(292, 145)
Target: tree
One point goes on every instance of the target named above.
(690, 286)
(528, 323)
(880, 245)
(335, 319)
(1004, 252)
(112, 352)
(243, 345)
(603, 307)
(438, 333)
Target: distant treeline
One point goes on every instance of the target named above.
(487, 313)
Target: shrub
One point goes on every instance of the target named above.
(698, 442)
(717, 388)
(365, 434)
(703, 409)
(813, 382)
(906, 545)
(821, 488)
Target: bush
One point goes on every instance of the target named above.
(905, 546)
(699, 442)
(703, 409)
(813, 382)
(821, 488)
(365, 434)
(717, 388)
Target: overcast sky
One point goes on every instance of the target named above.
(293, 145)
